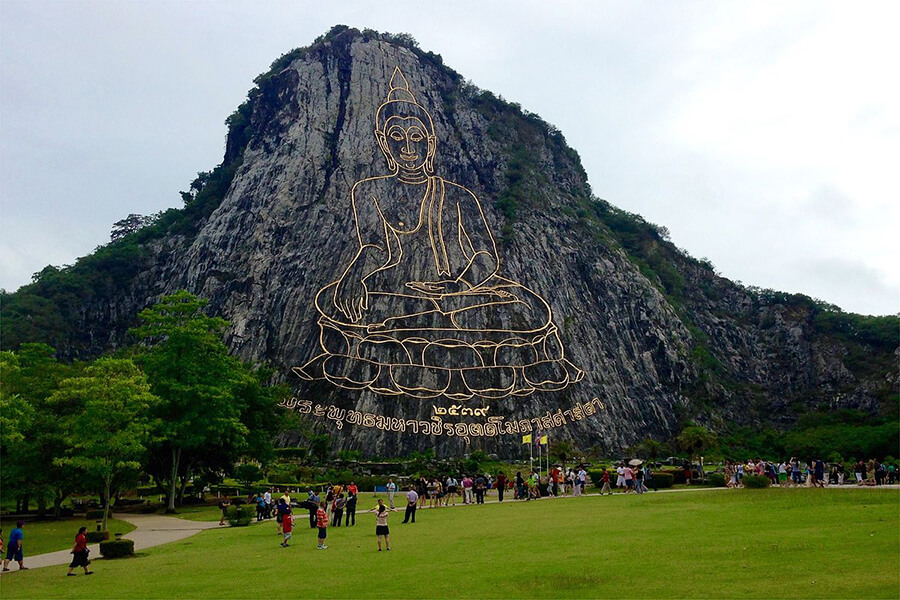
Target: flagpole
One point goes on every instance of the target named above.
(530, 457)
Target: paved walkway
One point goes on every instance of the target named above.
(151, 530)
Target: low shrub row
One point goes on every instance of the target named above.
(116, 548)
(755, 481)
(96, 536)
(239, 516)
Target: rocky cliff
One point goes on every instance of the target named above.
(660, 337)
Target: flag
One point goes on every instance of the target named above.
(544, 440)
(526, 439)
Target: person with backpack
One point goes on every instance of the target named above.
(337, 510)
(281, 509)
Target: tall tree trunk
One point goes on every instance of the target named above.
(106, 495)
(176, 458)
(58, 499)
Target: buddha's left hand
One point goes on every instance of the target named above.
(440, 288)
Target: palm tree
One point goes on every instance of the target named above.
(651, 448)
(562, 450)
(695, 440)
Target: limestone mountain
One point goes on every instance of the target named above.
(660, 337)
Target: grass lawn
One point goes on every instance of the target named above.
(50, 536)
(796, 543)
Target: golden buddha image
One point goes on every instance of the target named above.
(421, 309)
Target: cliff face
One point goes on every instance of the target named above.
(659, 336)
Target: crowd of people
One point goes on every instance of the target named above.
(814, 473)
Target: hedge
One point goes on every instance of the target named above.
(755, 481)
(662, 479)
(116, 548)
(94, 514)
(716, 480)
(96, 536)
(239, 516)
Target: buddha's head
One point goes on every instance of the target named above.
(404, 129)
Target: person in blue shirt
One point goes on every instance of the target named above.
(14, 547)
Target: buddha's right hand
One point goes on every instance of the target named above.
(351, 298)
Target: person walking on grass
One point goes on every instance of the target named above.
(604, 477)
(80, 554)
(14, 547)
(351, 509)
(287, 527)
(224, 503)
(322, 524)
(629, 480)
(412, 498)
(620, 477)
(280, 510)
(391, 488)
(381, 524)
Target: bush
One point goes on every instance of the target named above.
(148, 509)
(663, 479)
(93, 514)
(129, 502)
(116, 548)
(239, 516)
(755, 481)
(596, 478)
(292, 452)
(96, 536)
(716, 480)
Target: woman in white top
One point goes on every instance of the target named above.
(381, 524)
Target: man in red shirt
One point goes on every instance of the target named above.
(353, 489)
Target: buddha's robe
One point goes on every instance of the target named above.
(491, 337)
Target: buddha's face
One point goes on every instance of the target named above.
(406, 142)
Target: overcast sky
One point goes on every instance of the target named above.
(764, 135)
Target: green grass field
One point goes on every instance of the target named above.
(771, 543)
(50, 536)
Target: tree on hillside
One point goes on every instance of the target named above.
(213, 408)
(109, 435)
(126, 226)
(696, 440)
